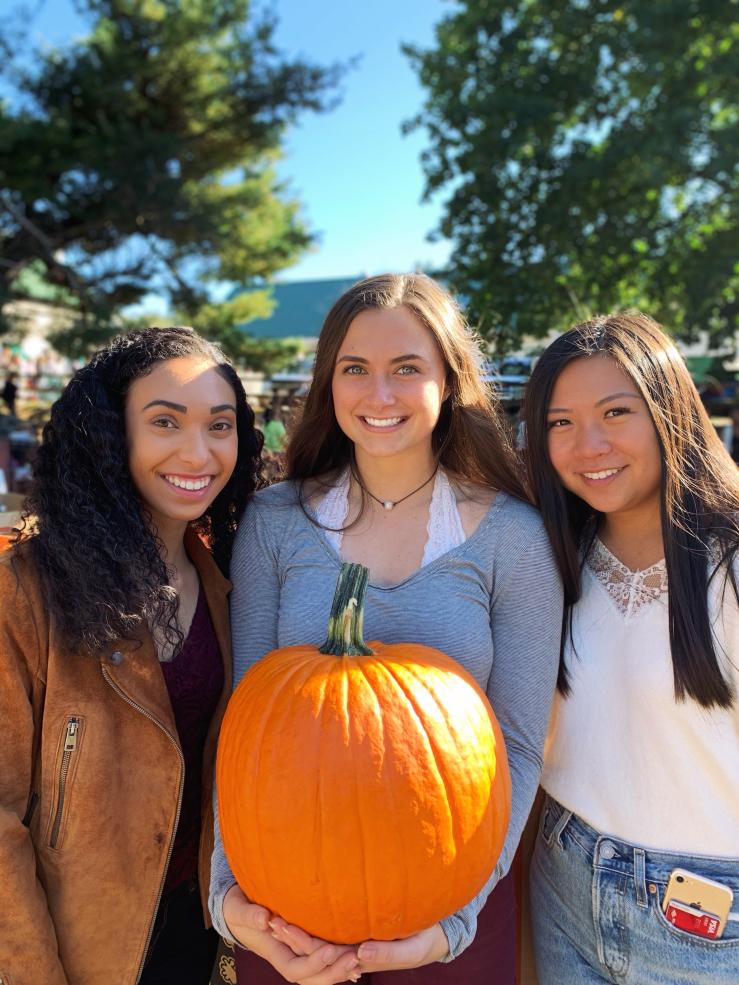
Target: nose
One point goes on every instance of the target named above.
(194, 450)
(592, 441)
(382, 390)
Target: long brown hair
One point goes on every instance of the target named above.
(471, 439)
(699, 489)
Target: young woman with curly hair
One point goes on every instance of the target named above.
(402, 461)
(115, 666)
(640, 825)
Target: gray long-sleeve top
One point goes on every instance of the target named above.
(494, 604)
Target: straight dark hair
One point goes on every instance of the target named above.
(472, 438)
(699, 490)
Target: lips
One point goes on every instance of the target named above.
(602, 474)
(382, 422)
(188, 483)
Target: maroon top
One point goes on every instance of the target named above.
(194, 681)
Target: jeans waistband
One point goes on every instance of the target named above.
(648, 867)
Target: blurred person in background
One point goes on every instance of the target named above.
(10, 392)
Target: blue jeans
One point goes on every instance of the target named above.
(596, 913)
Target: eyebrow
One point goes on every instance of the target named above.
(180, 408)
(397, 359)
(604, 400)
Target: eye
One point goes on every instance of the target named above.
(408, 370)
(557, 422)
(354, 370)
(164, 422)
(222, 426)
(617, 411)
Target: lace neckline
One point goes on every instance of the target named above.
(629, 590)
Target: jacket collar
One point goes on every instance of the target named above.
(132, 666)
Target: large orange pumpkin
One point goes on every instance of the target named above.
(363, 791)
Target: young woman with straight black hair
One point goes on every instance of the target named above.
(641, 819)
(115, 667)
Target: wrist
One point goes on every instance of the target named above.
(225, 898)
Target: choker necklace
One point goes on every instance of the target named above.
(390, 504)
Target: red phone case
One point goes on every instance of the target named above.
(692, 921)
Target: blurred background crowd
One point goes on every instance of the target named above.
(235, 166)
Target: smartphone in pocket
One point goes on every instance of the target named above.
(697, 893)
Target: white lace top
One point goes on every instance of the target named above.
(621, 752)
(444, 526)
(630, 590)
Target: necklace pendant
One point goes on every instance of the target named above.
(388, 504)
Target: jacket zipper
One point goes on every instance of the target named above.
(70, 745)
(176, 744)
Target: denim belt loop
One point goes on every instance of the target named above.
(562, 822)
(640, 877)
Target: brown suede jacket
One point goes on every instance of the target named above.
(91, 777)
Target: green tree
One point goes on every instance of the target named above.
(143, 157)
(588, 151)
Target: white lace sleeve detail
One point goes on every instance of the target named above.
(331, 511)
(445, 529)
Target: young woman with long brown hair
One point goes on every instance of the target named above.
(402, 462)
(636, 858)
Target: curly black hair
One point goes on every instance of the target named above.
(94, 546)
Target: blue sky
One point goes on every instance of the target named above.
(359, 180)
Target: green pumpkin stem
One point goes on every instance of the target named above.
(345, 624)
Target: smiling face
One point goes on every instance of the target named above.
(182, 438)
(388, 384)
(601, 439)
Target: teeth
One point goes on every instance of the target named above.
(188, 483)
(600, 475)
(383, 422)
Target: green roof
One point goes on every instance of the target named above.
(300, 308)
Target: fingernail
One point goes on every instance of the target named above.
(272, 925)
(329, 955)
(365, 953)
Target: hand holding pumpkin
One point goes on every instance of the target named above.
(419, 949)
(325, 964)
(415, 951)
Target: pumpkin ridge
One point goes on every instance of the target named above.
(384, 665)
(358, 793)
(266, 712)
(377, 661)
(411, 668)
(273, 682)
(448, 801)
